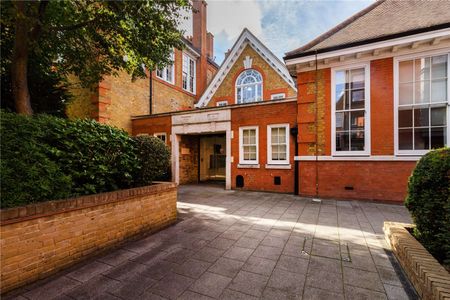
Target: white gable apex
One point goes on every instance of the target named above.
(245, 38)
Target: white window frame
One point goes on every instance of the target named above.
(269, 144)
(236, 88)
(397, 60)
(222, 103)
(164, 70)
(367, 147)
(158, 134)
(273, 96)
(189, 88)
(241, 148)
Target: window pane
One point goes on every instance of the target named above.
(357, 78)
(438, 137)
(357, 141)
(438, 117)
(421, 117)
(405, 139)
(421, 139)
(406, 93)
(422, 91)
(357, 99)
(405, 118)
(439, 90)
(342, 121)
(422, 68)
(282, 134)
(406, 71)
(357, 120)
(340, 98)
(342, 141)
(439, 67)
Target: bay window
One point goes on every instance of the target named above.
(421, 87)
(278, 144)
(248, 145)
(350, 111)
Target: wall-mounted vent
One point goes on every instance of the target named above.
(277, 180)
(348, 187)
(239, 181)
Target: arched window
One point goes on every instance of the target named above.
(249, 87)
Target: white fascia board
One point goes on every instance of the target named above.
(357, 158)
(372, 46)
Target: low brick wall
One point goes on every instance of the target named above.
(40, 239)
(428, 277)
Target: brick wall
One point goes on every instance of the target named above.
(40, 239)
(262, 179)
(153, 124)
(80, 105)
(380, 180)
(272, 82)
(189, 149)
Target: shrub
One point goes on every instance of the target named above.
(428, 201)
(45, 158)
(154, 159)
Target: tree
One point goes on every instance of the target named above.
(88, 38)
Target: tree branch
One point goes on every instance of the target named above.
(37, 29)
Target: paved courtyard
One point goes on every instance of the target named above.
(246, 245)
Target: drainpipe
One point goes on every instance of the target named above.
(316, 150)
(294, 133)
(150, 91)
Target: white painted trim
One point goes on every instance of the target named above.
(272, 97)
(278, 167)
(269, 144)
(246, 38)
(241, 150)
(370, 47)
(398, 59)
(172, 66)
(357, 158)
(163, 134)
(367, 146)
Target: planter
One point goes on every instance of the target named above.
(43, 238)
(428, 277)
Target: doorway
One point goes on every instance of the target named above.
(212, 158)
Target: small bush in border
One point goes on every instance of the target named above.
(428, 201)
(154, 159)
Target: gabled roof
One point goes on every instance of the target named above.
(383, 20)
(244, 39)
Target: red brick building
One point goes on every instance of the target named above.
(241, 131)
(373, 96)
(176, 87)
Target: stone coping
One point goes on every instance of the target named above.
(48, 208)
(428, 276)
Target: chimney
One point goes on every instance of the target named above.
(199, 25)
(210, 43)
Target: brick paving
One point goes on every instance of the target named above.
(246, 245)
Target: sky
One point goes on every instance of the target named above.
(282, 25)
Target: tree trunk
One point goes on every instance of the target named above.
(19, 64)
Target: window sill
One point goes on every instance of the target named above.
(248, 166)
(280, 167)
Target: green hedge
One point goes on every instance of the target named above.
(428, 201)
(46, 158)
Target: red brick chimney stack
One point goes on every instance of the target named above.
(201, 42)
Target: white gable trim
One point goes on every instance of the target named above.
(246, 38)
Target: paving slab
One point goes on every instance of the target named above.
(246, 245)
